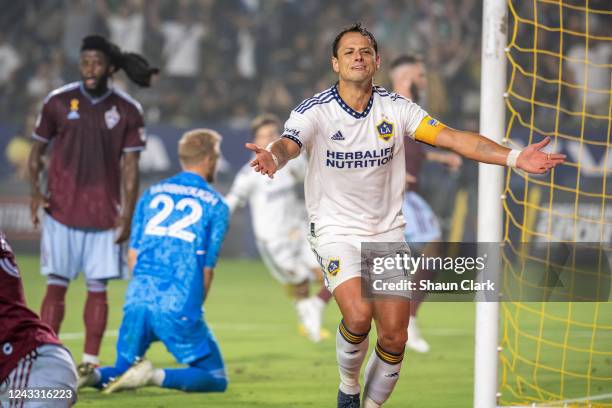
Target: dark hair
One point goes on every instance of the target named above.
(134, 65)
(406, 59)
(355, 28)
(263, 120)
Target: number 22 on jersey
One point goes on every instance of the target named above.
(179, 228)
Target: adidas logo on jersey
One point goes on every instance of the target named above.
(337, 136)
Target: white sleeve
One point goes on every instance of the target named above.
(411, 116)
(299, 128)
(241, 189)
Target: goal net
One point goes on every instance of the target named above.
(559, 86)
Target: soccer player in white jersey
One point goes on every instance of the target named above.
(279, 221)
(422, 230)
(353, 133)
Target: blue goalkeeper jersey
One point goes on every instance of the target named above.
(178, 228)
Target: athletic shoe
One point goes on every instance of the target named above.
(347, 400)
(86, 375)
(415, 341)
(324, 334)
(138, 375)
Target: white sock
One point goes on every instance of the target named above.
(351, 350)
(318, 303)
(90, 358)
(381, 375)
(159, 375)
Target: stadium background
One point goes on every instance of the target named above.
(244, 57)
(239, 59)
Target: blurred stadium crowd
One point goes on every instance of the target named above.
(224, 61)
(231, 59)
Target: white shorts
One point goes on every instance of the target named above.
(340, 255)
(290, 261)
(48, 369)
(66, 251)
(421, 222)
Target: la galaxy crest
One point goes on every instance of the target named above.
(385, 129)
(333, 267)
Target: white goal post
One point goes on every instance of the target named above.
(490, 179)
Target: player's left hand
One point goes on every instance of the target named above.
(532, 160)
(123, 228)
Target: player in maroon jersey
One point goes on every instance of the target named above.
(422, 227)
(31, 356)
(97, 133)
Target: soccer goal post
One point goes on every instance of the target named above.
(548, 64)
(490, 179)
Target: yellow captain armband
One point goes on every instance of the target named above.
(428, 130)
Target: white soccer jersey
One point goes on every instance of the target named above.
(276, 209)
(356, 169)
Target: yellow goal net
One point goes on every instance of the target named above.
(559, 86)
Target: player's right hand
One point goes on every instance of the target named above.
(263, 162)
(37, 199)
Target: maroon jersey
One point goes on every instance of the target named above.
(414, 154)
(89, 137)
(21, 331)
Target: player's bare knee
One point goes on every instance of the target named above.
(358, 322)
(393, 341)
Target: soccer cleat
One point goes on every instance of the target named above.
(348, 400)
(138, 375)
(415, 341)
(324, 334)
(86, 375)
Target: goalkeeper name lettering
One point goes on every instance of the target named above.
(359, 159)
(195, 192)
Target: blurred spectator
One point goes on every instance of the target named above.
(44, 81)
(79, 21)
(182, 39)
(126, 25)
(591, 70)
(275, 98)
(9, 61)
(218, 54)
(245, 58)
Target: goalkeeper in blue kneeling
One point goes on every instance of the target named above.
(177, 231)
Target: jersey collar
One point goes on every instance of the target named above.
(91, 98)
(194, 176)
(348, 109)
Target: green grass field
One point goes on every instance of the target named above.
(269, 364)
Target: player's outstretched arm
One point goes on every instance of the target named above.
(35, 166)
(272, 158)
(479, 148)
